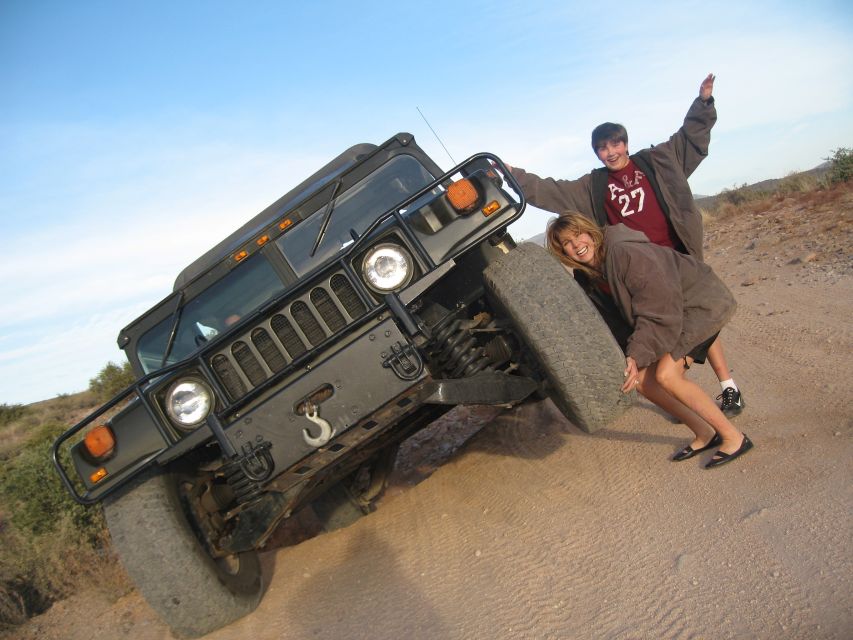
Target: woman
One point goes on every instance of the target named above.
(675, 306)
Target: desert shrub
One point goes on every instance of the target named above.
(36, 571)
(49, 544)
(111, 379)
(11, 412)
(735, 195)
(840, 165)
(31, 489)
(797, 183)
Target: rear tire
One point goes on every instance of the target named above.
(567, 337)
(193, 593)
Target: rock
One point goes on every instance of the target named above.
(748, 282)
(809, 257)
(750, 246)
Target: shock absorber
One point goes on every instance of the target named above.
(457, 351)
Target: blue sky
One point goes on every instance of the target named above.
(133, 136)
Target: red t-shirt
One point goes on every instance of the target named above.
(631, 200)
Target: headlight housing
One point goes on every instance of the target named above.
(188, 402)
(387, 267)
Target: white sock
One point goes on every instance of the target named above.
(728, 384)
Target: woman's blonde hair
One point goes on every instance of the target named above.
(576, 224)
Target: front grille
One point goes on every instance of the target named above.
(299, 324)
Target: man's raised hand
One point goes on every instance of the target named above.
(707, 87)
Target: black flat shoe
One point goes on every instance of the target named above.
(688, 452)
(721, 458)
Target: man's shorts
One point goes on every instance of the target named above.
(700, 352)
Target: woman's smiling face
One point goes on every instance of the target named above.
(579, 247)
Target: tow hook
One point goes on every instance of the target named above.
(312, 412)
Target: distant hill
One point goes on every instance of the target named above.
(765, 186)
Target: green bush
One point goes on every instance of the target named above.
(31, 490)
(111, 379)
(49, 543)
(11, 412)
(841, 165)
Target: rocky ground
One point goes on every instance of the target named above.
(515, 524)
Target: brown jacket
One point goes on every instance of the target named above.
(667, 166)
(672, 301)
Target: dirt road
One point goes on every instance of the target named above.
(514, 524)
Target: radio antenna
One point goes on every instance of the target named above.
(436, 135)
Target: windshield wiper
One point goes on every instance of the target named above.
(327, 215)
(174, 330)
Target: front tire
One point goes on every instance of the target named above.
(567, 337)
(193, 593)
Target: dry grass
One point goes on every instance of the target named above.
(64, 409)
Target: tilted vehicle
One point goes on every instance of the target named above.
(293, 357)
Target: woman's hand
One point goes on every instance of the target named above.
(632, 375)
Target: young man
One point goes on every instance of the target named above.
(646, 191)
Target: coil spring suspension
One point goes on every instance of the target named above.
(457, 351)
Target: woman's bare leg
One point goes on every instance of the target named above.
(670, 375)
(651, 389)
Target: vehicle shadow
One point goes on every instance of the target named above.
(348, 597)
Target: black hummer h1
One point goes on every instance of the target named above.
(295, 355)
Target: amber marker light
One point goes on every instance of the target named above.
(463, 195)
(99, 475)
(100, 442)
(240, 256)
(490, 208)
(262, 240)
(284, 224)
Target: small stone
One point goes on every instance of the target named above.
(775, 574)
(750, 246)
(748, 282)
(478, 553)
(837, 433)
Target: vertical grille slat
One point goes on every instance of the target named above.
(248, 362)
(304, 321)
(346, 293)
(268, 350)
(325, 306)
(288, 336)
(228, 376)
(307, 322)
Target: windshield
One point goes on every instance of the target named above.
(239, 293)
(355, 209)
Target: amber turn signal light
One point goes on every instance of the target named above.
(490, 208)
(463, 195)
(99, 475)
(240, 256)
(100, 442)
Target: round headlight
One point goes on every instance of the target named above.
(188, 402)
(387, 267)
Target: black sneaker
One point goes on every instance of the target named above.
(731, 402)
